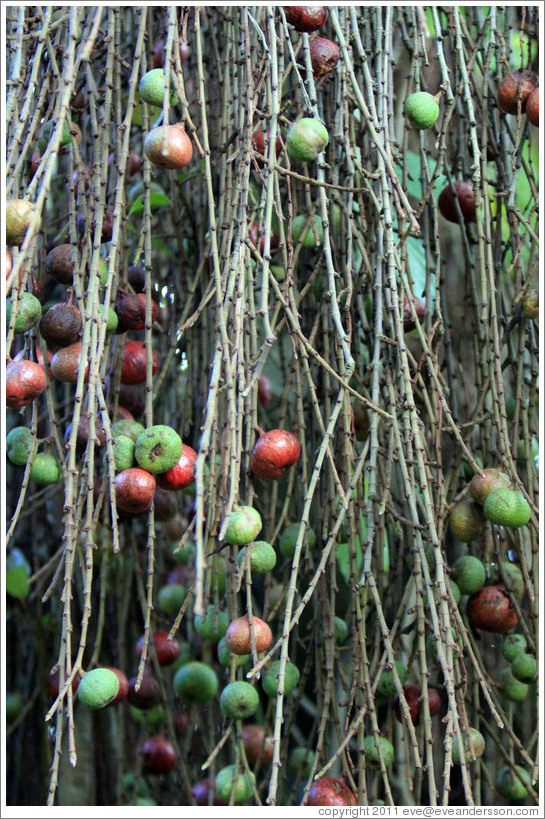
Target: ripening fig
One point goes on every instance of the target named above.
(274, 453)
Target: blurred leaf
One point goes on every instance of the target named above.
(157, 200)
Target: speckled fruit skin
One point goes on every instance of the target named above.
(169, 147)
(147, 696)
(466, 197)
(244, 526)
(256, 744)
(239, 700)
(515, 85)
(306, 18)
(507, 507)
(25, 381)
(152, 88)
(134, 490)
(167, 651)
(258, 140)
(158, 755)
(467, 520)
(491, 610)
(195, 682)
(181, 475)
(98, 688)
(477, 743)
(482, 484)
(238, 635)
(65, 364)
(305, 139)
(274, 452)
(19, 213)
(131, 312)
(421, 109)
(330, 791)
(58, 263)
(324, 56)
(29, 313)
(532, 107)
(158, 449)
(61, 325)
(133, 365)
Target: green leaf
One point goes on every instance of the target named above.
(157, 200)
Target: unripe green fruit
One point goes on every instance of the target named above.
(152, 88)
(372, 758)
(30, 312)
(262, 557)
(482, 484)
(514, 580)
(512, 689)
(158, 449)
(340, 630)
(171, 598)
(524, 668)
(466, 520)
(468, 469)
(153, 717)
(47, 130)
(469, 573)
(112, 319)
(18, 445)
(195, 682)
(98, 688)
(507, 507)
(300, 762)
(123, 449)
(19, 215)
(305, 139)
(225, 655)
(386, 685)
(314, 233)
(270, 678)
(421, 110)
(478, 746)
(513, 645)
(45, 469)
(132, 429)
(455, 589)
(213, 626)
(288, 539)
(242, 785)
(243, 527)
(186, 555)
(239, 700)
(431, 646)
(14, 706)
(511, 784)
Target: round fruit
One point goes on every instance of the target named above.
(483, 483)
(168, 146)
(314, 234)
(147, 696)
(274, 452)
(330, 791)
(421, 109)
(243, 527)
(300, 762)
(158, 61)
(256, 744)
(305, 139)
(253, 237)
(66, 364)
(512, 689)
(306, 18)
(133, 366)
(512, 784)
(289, 536)
(14, 706)
(431, 645)
(270, 679)
(466, 520)
(132, 399)
(82, 435)
(532, 107)
(158, 449)
(513, 645)
(134, 490)
(182, 474)
(372, 754)
(131, 312)
(524, 668)
(45, 469)
(413, 696)
(59, 265)
(204, 793)
(258, 140)
(98, 688)
(123, 686)
(25, 381)
(264, 390)
(238, 638)
(514, 88)
(241, 786)
(19, 215)
(61, 325)
(455, 589)
(464, 193)
(324, 56)
(171, 598)
(164, 504)
(213, 626)
(152, 88)
(386, 685)
(262, 557)
(469, 572)
(408, 321)
(530, 305)
(30, 312)
(18, 442)
(158, 755)
(225, 654)
(490, 609)
(195, 682)
(507, 507)
(130, 428)
(477, 746)
(239, 700)
(123, 450)
(167, 651)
